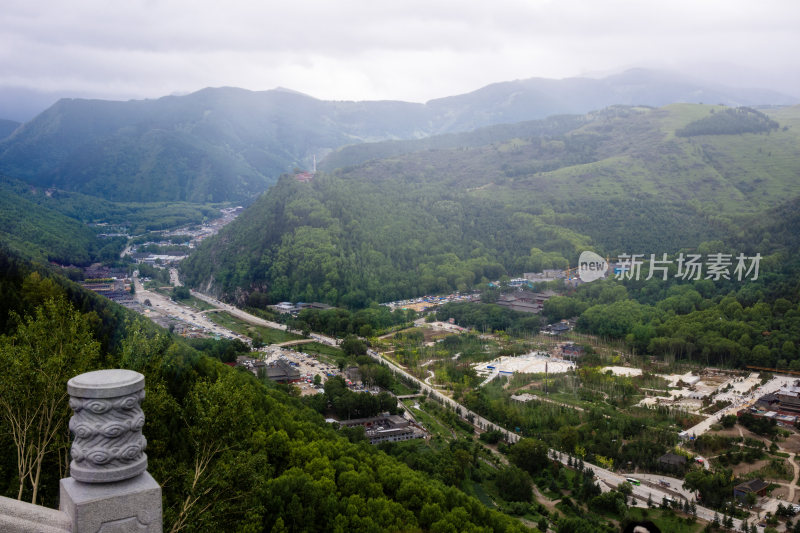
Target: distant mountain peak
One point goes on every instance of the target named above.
(291, 91)
(229, 143)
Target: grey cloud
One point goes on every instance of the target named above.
(366, 49)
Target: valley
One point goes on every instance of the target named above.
(444, 393)
(401, 337)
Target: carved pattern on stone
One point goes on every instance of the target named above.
(124, 525)
(108, 443)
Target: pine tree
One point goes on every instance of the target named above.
(729, 522)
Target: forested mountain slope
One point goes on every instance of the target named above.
(268, 462)
(231, 144)
(43, 233)
(6, 127)
(51, 225)
(620, 181)
(518, 100)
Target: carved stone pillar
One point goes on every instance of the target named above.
(107, 426)
(110, 489)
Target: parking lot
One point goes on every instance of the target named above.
(308, 365)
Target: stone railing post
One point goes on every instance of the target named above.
(110, 490)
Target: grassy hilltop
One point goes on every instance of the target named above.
(436, 215)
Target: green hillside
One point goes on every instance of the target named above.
(349, 241)
(45, 234)
(66, 228)
(227, 144)
(6, 127)
(267, 462)
(209, 146)
(137, 217)
(360, 153)
(438, 220)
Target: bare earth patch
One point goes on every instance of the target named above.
(745, 468)
(791, 444)
(780, 493)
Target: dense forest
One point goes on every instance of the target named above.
(44, 233)
(346, 242)
(269, 462)
(49, 225)
(754, 323)
(435, 221)
(396, 220)
(730, 122)
(229, 144)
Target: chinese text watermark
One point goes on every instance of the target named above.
(690, 267)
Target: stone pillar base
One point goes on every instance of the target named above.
(129, 506)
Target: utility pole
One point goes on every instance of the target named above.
(545, 378)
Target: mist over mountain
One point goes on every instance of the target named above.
(231, 144)
(7, 127)
(534, 98)
(406, 218)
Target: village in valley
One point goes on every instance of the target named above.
(444, 379)
(445, 374)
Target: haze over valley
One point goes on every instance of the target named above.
(532, 268)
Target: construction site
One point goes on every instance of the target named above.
(531, 363)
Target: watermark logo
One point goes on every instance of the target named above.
(717, 266)
(591, 267)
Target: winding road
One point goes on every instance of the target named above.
(610, 479)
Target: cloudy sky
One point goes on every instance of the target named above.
(374, 49)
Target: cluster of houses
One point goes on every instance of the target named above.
(280, 371)
(425, 303)
(386, 428)
(525, 301)
(304, 177)
(293, 309)
(782, 406)
(677, 464)
(558, 328)
(572, 351)
(117, 289)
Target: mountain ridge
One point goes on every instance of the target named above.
(445, 218)
(7, 127)
(230, 144)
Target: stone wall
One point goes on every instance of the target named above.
(110, 490)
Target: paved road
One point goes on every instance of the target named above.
(295, 343)
(643, 492)
(675, 485)
(164, 306)
(610, 479)
(324, 339)
(477, 420)
(771, 386)
(656, 494)
(252, 319)
(238, 313)
(174, 278)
